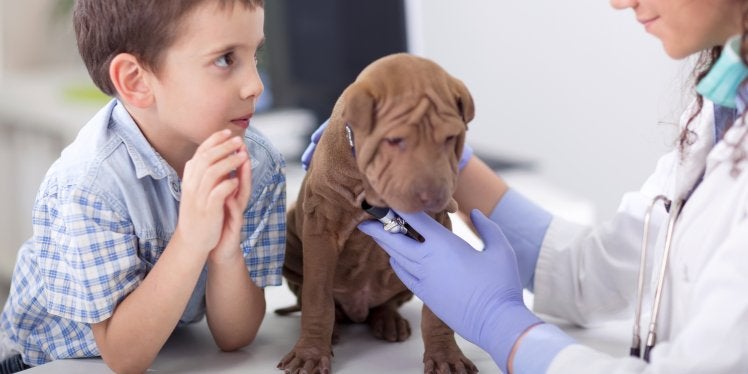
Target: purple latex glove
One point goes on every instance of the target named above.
(478, 294)
(306, 157)
(467, 152)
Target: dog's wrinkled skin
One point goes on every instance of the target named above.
(408, 118)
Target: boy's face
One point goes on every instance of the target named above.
(208, 79)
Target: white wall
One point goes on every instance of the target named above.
(36, 41)
(36, 34)
(577, 88)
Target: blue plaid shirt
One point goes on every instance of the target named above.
(102, 217)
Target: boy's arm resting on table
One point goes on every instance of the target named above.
(92, 274)
(235, 298)
(132, 337)
(235, 305)
(209, 221)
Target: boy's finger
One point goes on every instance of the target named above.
(222, 150)
(223, 168)
(196, 169)
(222, 191)
(214, 138)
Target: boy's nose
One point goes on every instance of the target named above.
(623, 4)
(252, 85)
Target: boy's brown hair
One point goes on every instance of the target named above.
(143, 28)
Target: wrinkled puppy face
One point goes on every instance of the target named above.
(408, 118)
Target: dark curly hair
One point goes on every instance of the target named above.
(143, 28)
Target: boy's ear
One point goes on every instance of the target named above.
(130, 79)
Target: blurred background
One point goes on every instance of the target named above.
(574, 101)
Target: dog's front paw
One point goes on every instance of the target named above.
(307, 358)
(447, 361)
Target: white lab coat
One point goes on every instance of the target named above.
(587, 275)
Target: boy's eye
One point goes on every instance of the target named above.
(225, 60)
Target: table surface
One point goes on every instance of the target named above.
(192, 350)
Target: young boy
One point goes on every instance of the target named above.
(168, 206)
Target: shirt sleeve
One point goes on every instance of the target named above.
(524, 223)
(265, 231)
(87, 254)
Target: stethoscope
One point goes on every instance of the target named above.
(652, 335)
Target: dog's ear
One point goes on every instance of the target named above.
(358, 110)
(464, 100)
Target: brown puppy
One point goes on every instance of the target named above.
(406, 119)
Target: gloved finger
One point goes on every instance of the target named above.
(408, 279)
(432, 230)
(467, 153)
(306, 157)
(318, 132)
(403, 249)
(488, 229)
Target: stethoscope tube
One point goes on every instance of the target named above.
(652, 334)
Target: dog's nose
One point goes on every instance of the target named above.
(433, 199)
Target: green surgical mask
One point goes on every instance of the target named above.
(721, 84)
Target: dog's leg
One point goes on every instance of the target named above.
(441, 354)
(386, 323)
(293, 263)
(313, 351)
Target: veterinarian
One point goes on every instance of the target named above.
(586, 275)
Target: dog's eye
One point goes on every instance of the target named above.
(450, 139)
(395, 141)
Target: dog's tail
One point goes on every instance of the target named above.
(288, 310)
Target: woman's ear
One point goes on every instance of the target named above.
(130, 79)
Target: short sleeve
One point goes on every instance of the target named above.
(87, 254)
(265, 231)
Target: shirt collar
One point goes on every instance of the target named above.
(146, 160)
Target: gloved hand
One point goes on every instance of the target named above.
(306, 157)
(525, 224)
(478, 294)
